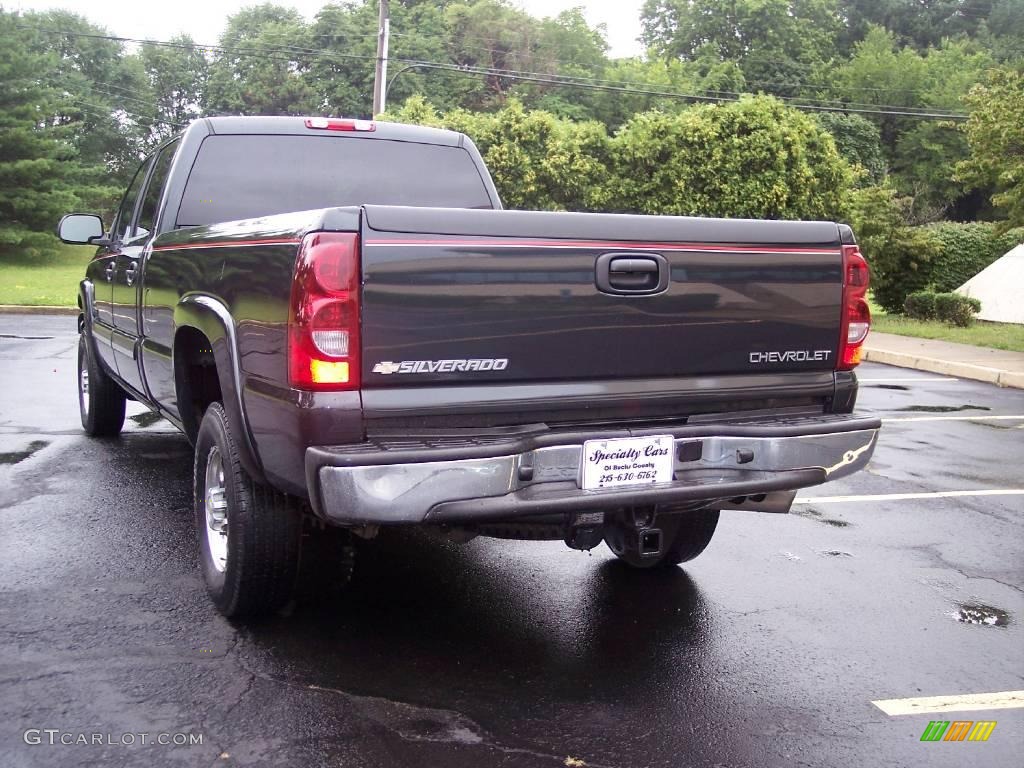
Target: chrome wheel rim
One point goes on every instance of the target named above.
(215, 501)
(83, 388)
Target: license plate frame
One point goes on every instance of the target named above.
(626, 462)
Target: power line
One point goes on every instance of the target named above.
(673, 95)
(525, 76)
(98, 112)
(321, 53)
(252, 51)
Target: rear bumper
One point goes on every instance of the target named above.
(450, 479)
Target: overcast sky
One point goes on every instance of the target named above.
(204, 19)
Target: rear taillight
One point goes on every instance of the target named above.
(323, 320)
(856, 314)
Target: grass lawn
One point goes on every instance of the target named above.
(44, 281)
(995, 335)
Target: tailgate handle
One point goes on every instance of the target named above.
(633, 265)
(629, 274)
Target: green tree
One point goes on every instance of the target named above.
(262, 67)
(754, 158)
(995, 133)
(859, 142)
(177, 76)
(778, 44)
(927, 151)
(900, 256)
(921, 153)
(106, 109)
(881, 74)
(40, 175)
(923, 23)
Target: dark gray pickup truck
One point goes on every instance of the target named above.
(353, 334)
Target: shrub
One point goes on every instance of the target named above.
(956, 309)
(754, 158)
(966, 249)
(538, 161)
(920, 305)
(900, 256)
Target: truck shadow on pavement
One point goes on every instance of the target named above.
(429, 619)
(454, 626)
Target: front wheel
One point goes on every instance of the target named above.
(249, 534)
(684, 536)
(101, 401)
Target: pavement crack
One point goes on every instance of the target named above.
(933, 552)
(413, 722)
(969, 577)
(36, 678)
(238, 700)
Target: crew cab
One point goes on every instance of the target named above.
(353, 334)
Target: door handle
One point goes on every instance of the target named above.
(129, 274)
(109, 272)
(630, 274)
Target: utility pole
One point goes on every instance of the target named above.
(380, 77)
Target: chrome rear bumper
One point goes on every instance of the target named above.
(446, 480)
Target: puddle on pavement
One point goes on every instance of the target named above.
(24, 338)
(146, 419)
(834, 553)
(943, 408)
(14, 457)
(815, 515)
(984, 615)
(899, 387)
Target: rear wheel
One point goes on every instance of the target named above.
(249, 534)
(101, 400)
(683, 536)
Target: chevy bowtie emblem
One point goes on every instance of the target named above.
(386, 368)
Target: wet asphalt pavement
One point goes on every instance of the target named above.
(765, 651)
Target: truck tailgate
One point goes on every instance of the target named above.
(475, 296)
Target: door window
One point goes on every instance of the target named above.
(151, 200)
(121, 228)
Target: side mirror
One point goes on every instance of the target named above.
(81, 229)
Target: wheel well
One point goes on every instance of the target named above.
(195, 377)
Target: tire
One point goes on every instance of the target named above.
(249, 534)
(687, 533)
(101, 400)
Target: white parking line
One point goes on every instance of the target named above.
(967, 702)
(901, 496)
(979, 417)
(904, 381)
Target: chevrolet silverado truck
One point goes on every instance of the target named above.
(353, 334)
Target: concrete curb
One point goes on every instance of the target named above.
(960, 370)
(24, 309)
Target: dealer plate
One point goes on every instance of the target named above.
(627, 461)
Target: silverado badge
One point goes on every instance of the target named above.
(441, 366)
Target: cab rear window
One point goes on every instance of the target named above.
(245, 176)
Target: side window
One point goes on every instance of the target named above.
(121, 227)
(162, 166)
